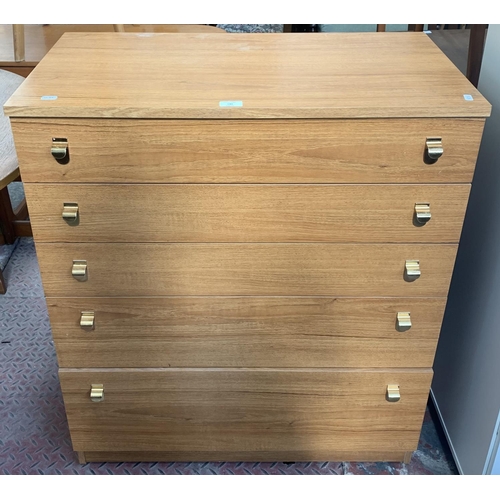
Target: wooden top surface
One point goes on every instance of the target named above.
(273, 75)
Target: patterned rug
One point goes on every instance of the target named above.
(252, 28)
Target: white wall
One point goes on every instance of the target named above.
(466, 383)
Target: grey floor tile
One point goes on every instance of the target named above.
(22, 274)
(6, 252)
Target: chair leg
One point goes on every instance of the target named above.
(13, 221)
(18, 42)
(476, 49)
(3, 287)
(21, 211)
(7, 217)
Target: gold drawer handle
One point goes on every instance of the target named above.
(96, 392)
(412, 270)
(79, 270)
(422, 213)
(393, 395)
(403, 321)
(59, 148)
(70, 213)
(433, 149)
(87, 320)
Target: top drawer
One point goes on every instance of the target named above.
(267, 151)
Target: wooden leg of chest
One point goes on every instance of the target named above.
(81, 457)
(407, 457)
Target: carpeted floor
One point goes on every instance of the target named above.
(34, 437)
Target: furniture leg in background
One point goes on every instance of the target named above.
(476, 49)
(302, 28)
(18, 41)
(13, 221)
(13, 224)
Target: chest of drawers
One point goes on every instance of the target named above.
(246, 241)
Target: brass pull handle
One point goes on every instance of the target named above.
(393, 395)
(422, 213)
(412, 270)
(433, 149)
(96, 392)
(70, 213)
(87, 320)
(403, 321)
(59, 148)
(79, 270)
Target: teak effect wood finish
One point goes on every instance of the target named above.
(244, 411)
(248, 213)
(246, 264)
(348, 75)
(253, 151)
(148, 269)
(245, 331)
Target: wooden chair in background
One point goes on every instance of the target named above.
(477, 40)
(13, 220)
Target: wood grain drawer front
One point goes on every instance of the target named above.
(245, 410)
(245, 331)
(148, 269)
(247, 213)
(282, 151)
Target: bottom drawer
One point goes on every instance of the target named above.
(246, 414)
